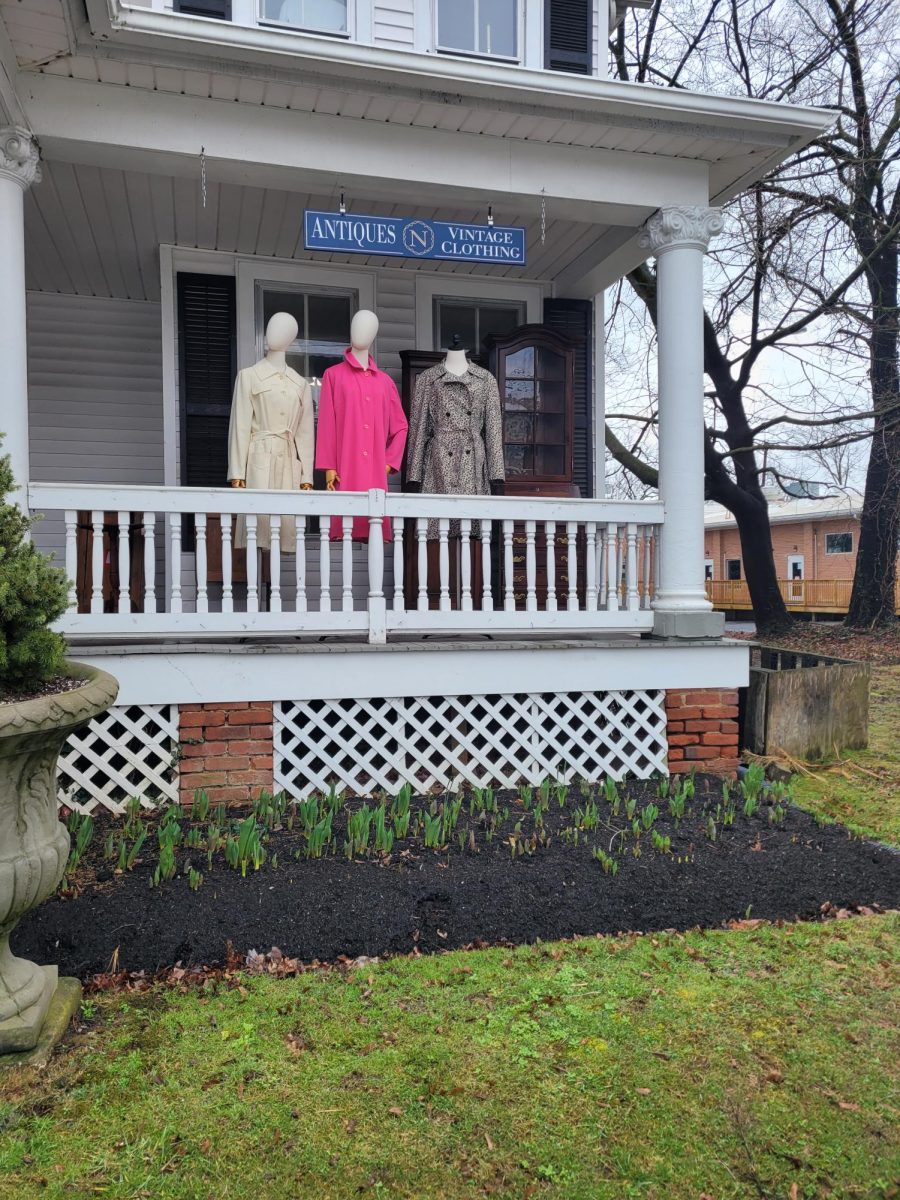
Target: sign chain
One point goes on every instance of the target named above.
(203, 175)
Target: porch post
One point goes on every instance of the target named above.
(19, 168)
(679, 238)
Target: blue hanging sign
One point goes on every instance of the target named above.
(410, 237)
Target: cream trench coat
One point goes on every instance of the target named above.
(271, 440)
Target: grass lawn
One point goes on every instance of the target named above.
(862, 789)
(760, 1062)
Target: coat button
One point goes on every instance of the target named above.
(365, 454)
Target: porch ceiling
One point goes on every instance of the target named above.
(96, 231)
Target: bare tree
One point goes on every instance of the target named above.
(807, 268)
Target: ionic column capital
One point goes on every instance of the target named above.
(20, 158)
(680, 226)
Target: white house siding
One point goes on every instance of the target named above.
(394, 24)
(94, 394)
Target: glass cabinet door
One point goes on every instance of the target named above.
(535, 377)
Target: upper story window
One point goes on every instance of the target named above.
(488, 27)
(319, 16)
(838, 543)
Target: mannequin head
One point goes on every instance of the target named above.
(363, 329)
(281, 332)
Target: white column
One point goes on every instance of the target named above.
(679, 238)
(600, 395)
(19, 168)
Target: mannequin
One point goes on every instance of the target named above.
(271, 434)
(362, 429)
(456, 432)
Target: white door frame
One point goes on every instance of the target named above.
(796, 558)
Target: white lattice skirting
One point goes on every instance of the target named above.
(125, 752)
(443, 741)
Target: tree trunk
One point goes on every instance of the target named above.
(872, 601)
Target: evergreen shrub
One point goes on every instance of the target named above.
(33, 594)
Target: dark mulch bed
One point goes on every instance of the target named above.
(435, 900)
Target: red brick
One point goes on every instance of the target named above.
(701, 726)
(675, 753)
(250, 716)
(190, 766)
(207, 779)
(692, 713)
(250, 778)
(720, 739)
(701, 752)
(194, 750)
(226, 795)
(229, 733)
(229, 762)
(259, 746)
(675, 726)
(684, 739)
(263, 762)
(729, 727)
(261, 704)
(720, 711)
(680, 768)
(200, 719)
(705, 698)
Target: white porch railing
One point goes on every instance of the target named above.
(482, 564)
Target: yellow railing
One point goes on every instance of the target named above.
(800, 595)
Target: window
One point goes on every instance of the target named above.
(732, 568)
(323, 321)
(708, 569)
(838, 543)
(487, 27)
(321, 16)
(472, 322)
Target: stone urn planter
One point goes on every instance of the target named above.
(34, 844)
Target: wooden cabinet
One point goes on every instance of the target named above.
(534, 368)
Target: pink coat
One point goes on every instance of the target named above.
(361, 431)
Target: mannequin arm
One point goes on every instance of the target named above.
(493, 435)
(332, 480)
(239, 428)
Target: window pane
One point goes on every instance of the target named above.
(497, 320)
(519, 460)
(457, 320)
(551, 397)
(456, 24)
(551, 430)
(329, 323)
(839, 543)
(497, 27)
(733, 568)
(520, 429)
(519, 395)
(550, 460)
(288, 302)
(521, 364)
(329, 15)
(551, 365)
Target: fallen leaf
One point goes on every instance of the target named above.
(643, 1091)
(794, 1192)
(395, 1111)
(205, 1145)
(848, 1106)
(775, 1077)
(489, 1143)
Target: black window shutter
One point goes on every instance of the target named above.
(206, 370)
(575, 319)
(205, 8)
(568, 36)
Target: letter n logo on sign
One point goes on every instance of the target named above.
(418, 239)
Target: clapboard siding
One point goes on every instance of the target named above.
(394, 21)
(396, 305)
(94, 394)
